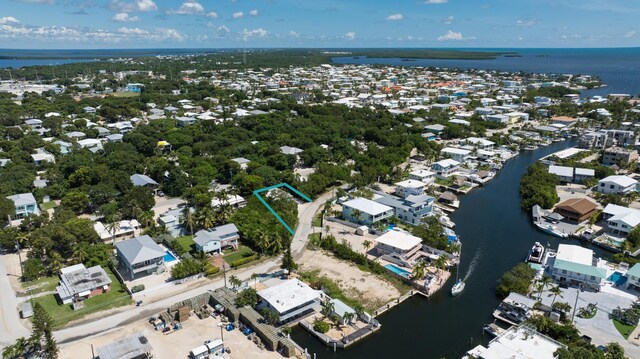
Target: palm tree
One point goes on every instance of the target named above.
(255, 276)
(348, 317)
(235, 281)
(113, 225)
(262, 240)
(206, 217)
(55, 262)
(366, 244)
(419, 270)
(187, 218)
(327, 209)
(441, 262)
(540, 289)
(146, 219)
(359, 310)
(79, 254)
(327, 309)
(555, 291)
(357, 214)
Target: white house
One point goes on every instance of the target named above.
(368, 210)
(458, 154)
(616, 185)
(291, 299)
(445, 168)
(621, 220)
(564, 174)
(518, 342)
(480, 143)
(575, 265)
(633, 277)
(410, 187)
(422, 175)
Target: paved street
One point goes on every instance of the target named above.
(11, 327)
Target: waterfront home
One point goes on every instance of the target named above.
(457, 154)
(291, 299)
(215, 239)
(340, 309)
(576, 209)
(564, 120)
(517, 342)
(79, 283)
(620, 220)
(422, 175)
(132, 346)
(575, 265)
(633, 277)
(616, 185)
(564, 174)
(410, 188)
(445, 168)
(593, 139)
(398, 247)
(410, 209)
(140, 255)
(618, 156)
(365, 211)
(583, 174)
(479, 143)
(25, 204)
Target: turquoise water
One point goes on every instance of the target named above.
(397, 270)
(617, 278)
(168, 257)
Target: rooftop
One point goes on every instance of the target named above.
(367, 206)
(518, 342)
(401, 240)
(139, 249)
(575, 254)
(133, 346)
(288, 295)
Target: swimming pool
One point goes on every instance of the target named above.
(168, 257)
(397, 270)
(617, 278)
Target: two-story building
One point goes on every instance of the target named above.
(457, 154)
(576, 209)
(215, 239)
(25, 204)
(620, 220)
(422, 175)
(575, 265)
(365, 211)
(618, 156)
(633, 277)
(291, 299)
(616, 185)
(410, 209)
(140, 255)
(410, 188)
(445, 168)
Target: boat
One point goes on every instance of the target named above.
(530, 147)
(457, 288)
(536, 253)
(493, 329)
(445, 221)
(551, 229)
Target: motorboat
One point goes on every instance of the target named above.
(457, 288)
(551, 229)
(445, 221)
(536, 253)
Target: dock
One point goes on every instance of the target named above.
(347, 340)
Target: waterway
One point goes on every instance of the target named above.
(496, 235)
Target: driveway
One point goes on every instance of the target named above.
(11, 327)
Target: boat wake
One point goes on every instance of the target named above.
(473, 264)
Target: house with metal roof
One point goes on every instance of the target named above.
(140, 255)
(633, 277)
(616, 185)
(79, 282)
(214, 239)
(409, 209)
(140, 180)
(365, 211)
(25, 204)
(575, 265)
(291, 299)
(621, 220)
(340, 311)
(445, 168)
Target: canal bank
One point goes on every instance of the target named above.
(496, 235)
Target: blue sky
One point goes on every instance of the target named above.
(321, 23)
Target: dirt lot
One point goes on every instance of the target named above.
(367, 288)
(174, 345)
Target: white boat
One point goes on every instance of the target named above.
(536, 253)
(457, 288)
(551, 229)
(530, 147)
(445, 221)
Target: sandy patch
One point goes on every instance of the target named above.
(367, 288)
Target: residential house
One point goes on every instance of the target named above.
(616, 185)
(135, 87)
(576, 209)
(620, 220)
(575, 265)
(422, 175)
(435, 128)
(618, 156)
(172, 221)
(122, 229)
(503, 119)
(518, 342)
(79, 283)
(593, 139)
(445, 168)
(41, 157)
(340, 311)
(398, 244)
(410, 209)
(633, 277)
(479, 143)
(458, 154)
(140, 255)
(140, 180)
(365, 211)
(290, 150)
(410, 187)
(583, 174)
(291, 299)
(564, 174)
(243, 162)
(25, 204)
(214, 239)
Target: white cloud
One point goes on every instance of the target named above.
(449, 20)
(8, 20)
(453, 36)
(350, 35)
(253, 13)
(293, 34)
(124, 17)
(212, 14)
(222, 31)
(136, 5)
(238, 15)
(526, 22)
(630, 34)
(431, 2)
(50, 2)
(260, 33)
(132, 31)
(190, 7)
(395, 17)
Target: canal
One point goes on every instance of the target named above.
(496, 235)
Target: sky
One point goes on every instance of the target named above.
(94, 24)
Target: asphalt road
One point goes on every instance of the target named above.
(11, 327)
(306, 213)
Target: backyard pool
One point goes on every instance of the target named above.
(397, 270)
(617, 278)
(168, 257)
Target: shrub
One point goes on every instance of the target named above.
(137, 288)
(243, 261)
(321, 326)
(516, 280)
(187, 268)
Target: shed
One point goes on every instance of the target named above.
(27, 310)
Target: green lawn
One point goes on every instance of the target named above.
(624, 329)
(242, 251)
(317, 220)
(186, 244)
(43, 284)
(64, 313)
(48, 205)
(126, 94)
(444, 182)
